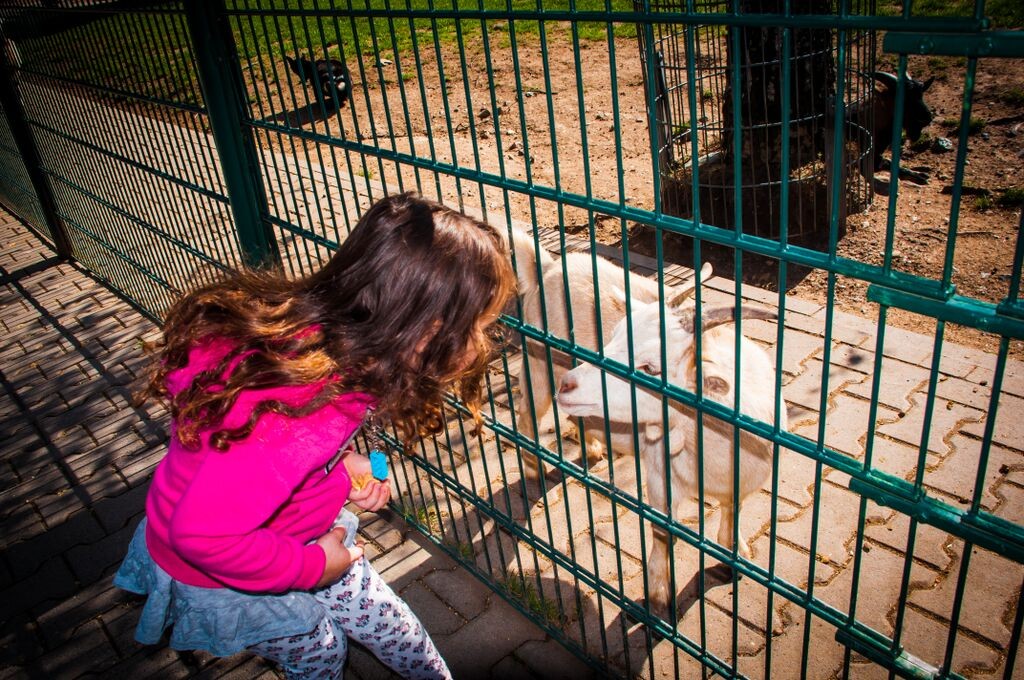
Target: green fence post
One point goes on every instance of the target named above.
(10, 97)
(225, 96)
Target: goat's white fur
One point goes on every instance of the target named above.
(543, 293)
(533, 376)
(581, 394)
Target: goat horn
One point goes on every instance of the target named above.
(686, 289)
(718, 316)
(885, 78)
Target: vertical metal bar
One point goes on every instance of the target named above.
(787, 75)
(400, 83)
(1018, 623)
(623, 230)
(427, 125)
(691, 123)
(826, 359)
(291, 162)
(10, 97)
(470, 109)
(224, 93)
(979, 489)
(249, 42)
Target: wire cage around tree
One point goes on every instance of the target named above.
(690, 72)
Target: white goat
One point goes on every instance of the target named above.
(579, 271)
(580, 394)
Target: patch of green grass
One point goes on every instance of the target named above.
(151, 54)
(463, 550)
(983, 203)
(941, 66)
(522, 587)
(147, 54)
(974, 126)
(681, 129)
(1003, 13)
(1013, 97)
(429, 518)
(924, 143)
(1011, 198)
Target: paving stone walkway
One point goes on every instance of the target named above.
(75, 457)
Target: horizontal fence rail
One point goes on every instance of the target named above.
(825, 493)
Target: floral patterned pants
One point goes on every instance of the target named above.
(360, 606)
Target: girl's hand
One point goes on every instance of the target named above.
(339, 558)
(374, 494)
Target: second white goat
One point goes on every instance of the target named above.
(580, 394)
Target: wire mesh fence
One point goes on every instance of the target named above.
(861, 518)
(710, 61)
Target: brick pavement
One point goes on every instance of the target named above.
(75, 461)
(76, 457)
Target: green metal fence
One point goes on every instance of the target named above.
(157, 143)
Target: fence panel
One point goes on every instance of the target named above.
(121, 126)
(18, 192)
(876, 525)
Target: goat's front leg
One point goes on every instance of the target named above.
(915, 175)
(593, 440)
(725, 528)
(659, 591)
(530, 411)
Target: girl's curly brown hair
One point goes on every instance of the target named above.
(402, 311)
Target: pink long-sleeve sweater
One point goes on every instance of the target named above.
(244, 518)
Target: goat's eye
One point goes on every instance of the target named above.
(650, 368)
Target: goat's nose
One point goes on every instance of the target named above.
(568, 383)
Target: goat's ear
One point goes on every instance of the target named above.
(716, 385)
(618, 299)
(927, 84)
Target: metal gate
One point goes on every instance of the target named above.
(160, 142)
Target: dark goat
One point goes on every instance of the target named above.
(916, 117)
(331, 79)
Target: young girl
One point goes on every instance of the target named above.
(245, 544)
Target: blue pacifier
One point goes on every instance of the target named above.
(378, 464)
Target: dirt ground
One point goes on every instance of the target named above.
(524, 122)
(986, 231)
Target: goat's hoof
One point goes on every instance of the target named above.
(728, 574)
(658, 604)
(595, 453)
(657, 609)
(532, 471)
(534, 476)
